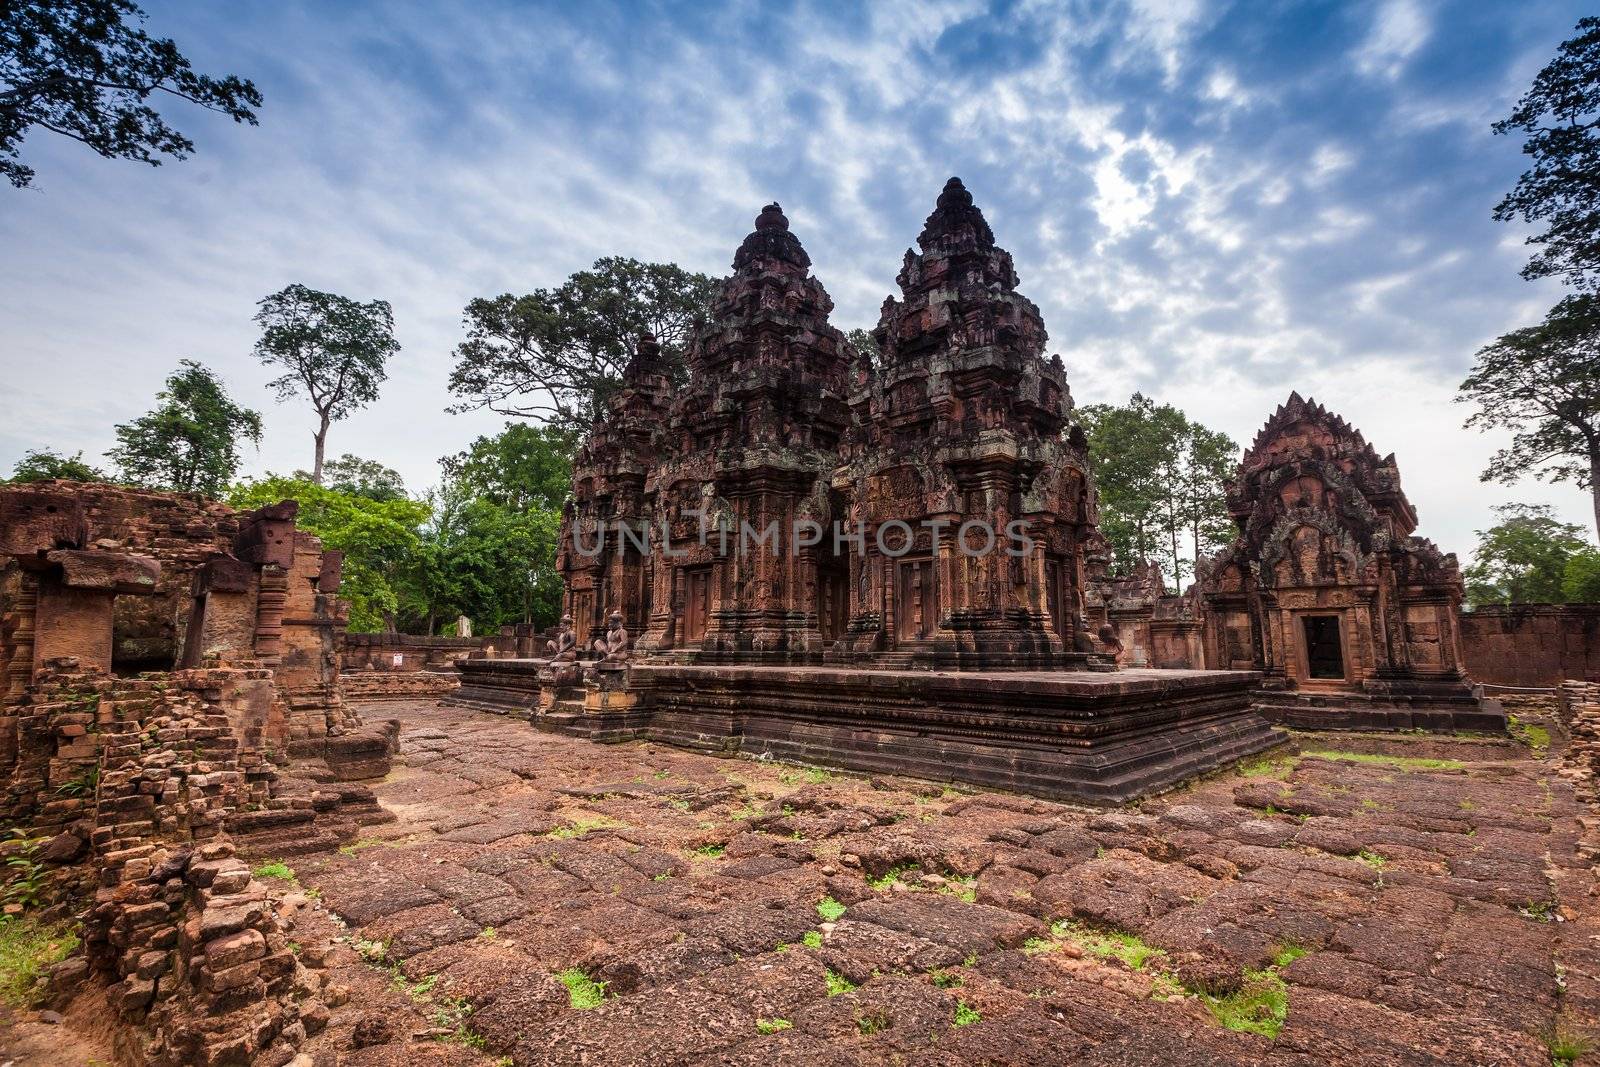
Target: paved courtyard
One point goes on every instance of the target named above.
(543, 900)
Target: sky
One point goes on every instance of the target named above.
(1212, 203)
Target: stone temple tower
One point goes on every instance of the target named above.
(961, 432)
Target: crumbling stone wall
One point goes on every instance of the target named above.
(406, 652)
(1537, 645)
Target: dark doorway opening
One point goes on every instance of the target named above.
(697, 604)
(1324, 654)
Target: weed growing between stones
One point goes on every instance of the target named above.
(838, 983)
(1279, 767)
(889, 878)
(1113, 944)
(1567, 1044)
(772, 1026)
(1372, 859)
(1537, 738)
(357, 846)
(966, 1015)
(582, 827)
(710, 851)
(1259, 1006)
(872, 1022)
(28, 948)
(812, 939)
(830, 910)
(582, 991)
(1399, 763)
(275, 869)
(1287, 954)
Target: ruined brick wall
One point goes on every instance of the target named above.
(134, 781)
(1536, 645)
(405, 652)
(178, 530)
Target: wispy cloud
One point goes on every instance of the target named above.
(1212, 203)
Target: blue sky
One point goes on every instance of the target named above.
(1213, 203)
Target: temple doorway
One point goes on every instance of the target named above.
(916, 601)
(696, 604)
(1324, 651)
(833, 597)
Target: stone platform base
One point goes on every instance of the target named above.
(373, 686)
(1368, 711)
(503, 686)
(1090, 737)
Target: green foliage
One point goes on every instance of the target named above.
(189, 442)
(1259, 1006)
(330, 348)
(1560, 113)
(1107, 944)
(360, 477)
(1537, 738)
(772, 1026)
(86, 70)
(276, 869)
(945, 980)
(582, 991)
(863, 341)
(1287, 954)
(557, 355)
(27, 949)
(1580, 581)
(380, 539)
(43, 464)
(812, 939)
(1567, 1044)
(1399, 763)
(830, 910)
(837, 983)
(1524, 558)
(1160, 477)
(966, 1015)
(1543, 384)
(25, 876)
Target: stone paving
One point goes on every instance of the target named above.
(544, 900)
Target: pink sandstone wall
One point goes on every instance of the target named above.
(1532, 644)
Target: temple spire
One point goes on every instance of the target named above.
(771, 244)
(955, 220)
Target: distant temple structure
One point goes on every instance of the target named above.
(1352, 619)
(930, 507)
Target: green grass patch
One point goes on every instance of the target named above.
(873, 1022)
(1399, 763)
(812, 939)
(1259, 1006)
(963, 889)
(1106, 944)
(359, 846)
(581, 827)
(1279, 767)
(276, 869)
(830, 910)
(945, 980)
(584, 992)
(1372, 859)
(1537, 738)
(889, 878)
(1567, 1044)
(838, 983)
(772, 1026)
(966, 1015)
(1287, 954)
(28, 949)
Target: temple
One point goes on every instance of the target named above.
(1352, 620)
(927, 508)
(877, 561)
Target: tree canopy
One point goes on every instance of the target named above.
(360, 477)
(1530, 557)
(379, 539)
(1160, 476)
(332, 350)
(43, 464)
(556, 355)
(190, 442)
(85, 69)
(1560, 114)
(1543, 383)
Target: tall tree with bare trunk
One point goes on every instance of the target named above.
(332, 350)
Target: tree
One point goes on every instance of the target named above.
(1523, 558)
(43, 464)
(863, 341)
(86, 70)
(380, 540)
(522, 468)
(189, 443)
(1561, 116)
(360, 477)
(556, 355)
(1160, 477)
(1543, 383)
(331, 348)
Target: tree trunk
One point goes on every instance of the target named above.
(321, 437)
(1594, 483)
